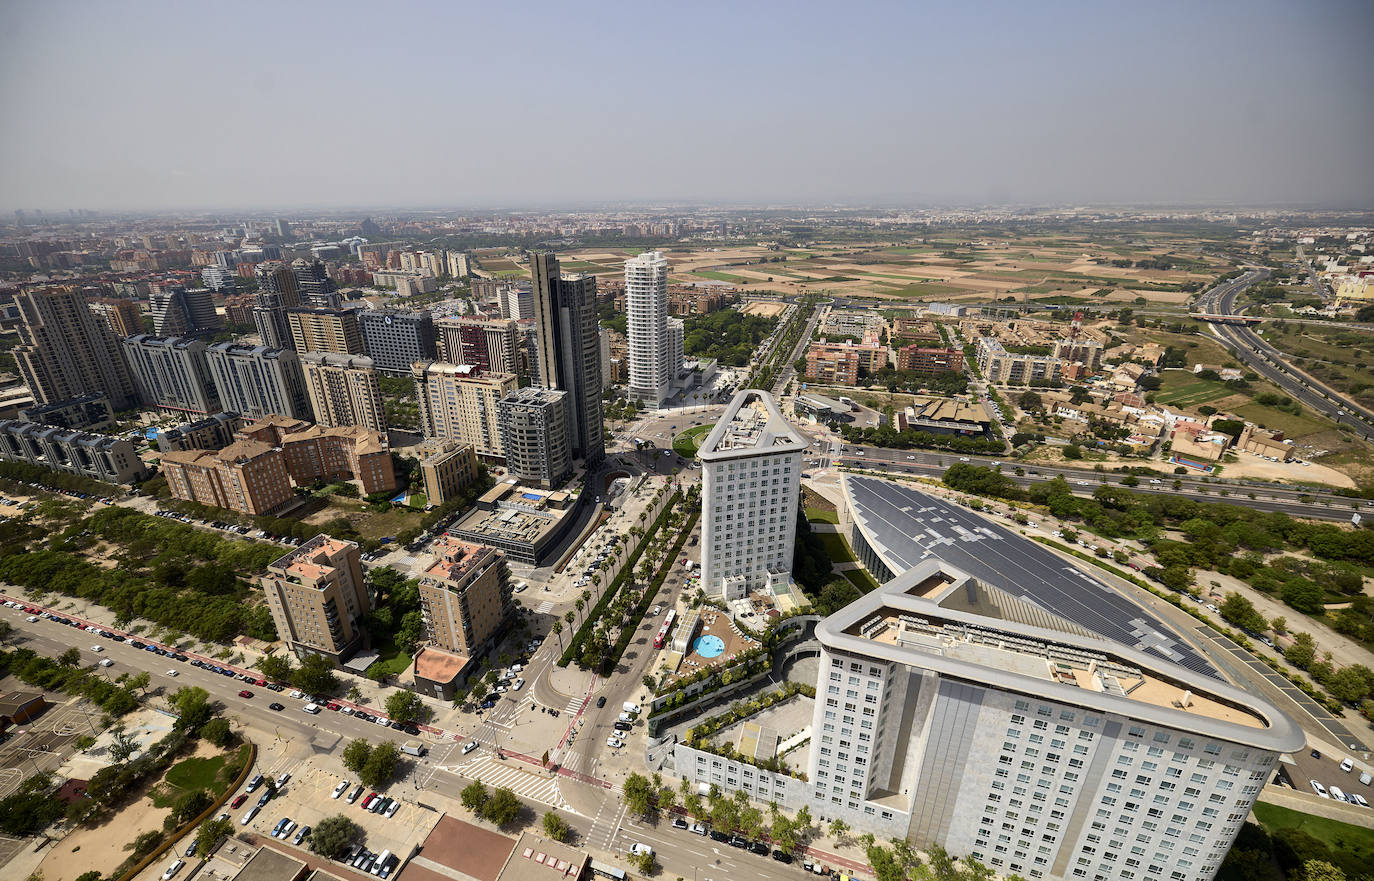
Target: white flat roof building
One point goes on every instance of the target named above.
(751, 463)
(942, 718)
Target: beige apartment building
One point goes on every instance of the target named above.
(254, 475)
(120, 314)
(318, 598)
(465, 596)
(326, 330)
(247, 476)
(344, 390)
(446, 466)
(459, 401)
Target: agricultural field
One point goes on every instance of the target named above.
(971, 265)
(1339, 357)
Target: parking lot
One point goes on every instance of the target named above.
(308, 798)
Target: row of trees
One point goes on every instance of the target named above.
(499, 806)
(315, 675)
(727, 335)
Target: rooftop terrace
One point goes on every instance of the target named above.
(751, 423)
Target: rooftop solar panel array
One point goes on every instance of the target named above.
(909, 525)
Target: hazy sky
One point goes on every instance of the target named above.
(111, 104)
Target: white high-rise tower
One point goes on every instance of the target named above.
(646, 302)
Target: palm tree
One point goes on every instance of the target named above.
(580, 604)
(558, 632)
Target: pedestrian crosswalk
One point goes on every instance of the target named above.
(544, 608)
(516, 776)
(606, 824)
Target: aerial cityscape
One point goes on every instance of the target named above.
(873, 442)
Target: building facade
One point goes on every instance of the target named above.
(172, 374)
(534, 424)
(99, 456)
(120, 314)
(1038, 751)
(66, 351)
(646, 304)
(318, 598)
(569, 349)
(343, 390)
(247, 476)
(751, 476)
(459, 401)
(929, 360)
(257, 381)
(211, 433)
(446, 467)
(395, 339)
(177, 311)
(276, 294)
(314, 287)
(465, 597)
(325, 330)
(1005, 368)
(489, 343)
(86, 412)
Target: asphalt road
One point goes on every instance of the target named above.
(1251, 348)
(1268, 497)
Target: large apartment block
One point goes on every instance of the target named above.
(534, 424)
(343, 390)
(460, 401)
(843, 363)
(489, 343)
(941, 717)
(318, 598)
(66, 351)
(325, 330)
(1005, 368)
(257, 381)
(395, 339)
(752, 464)
(172, 374)
(929, 360)
(465, 596)
(111, 459)
(247, 476)
(255, 473)
(178, 311)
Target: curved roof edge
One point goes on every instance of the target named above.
(1282, 733)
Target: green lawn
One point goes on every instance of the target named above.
(686, 444)
(817, 515)
(861, 579)
(837, 547)
(1291, 426)
(393, 661)
(195, 773)
(1182, 388)
(1352, 846)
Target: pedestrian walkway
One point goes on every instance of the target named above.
(606, 824)
(517, 777)
(544, 608)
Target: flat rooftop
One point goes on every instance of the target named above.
(269, 864)
(311, 560)
(1042, 659)
(457, 558)
(905, 526)
(901, 623)
(459, 851)
(752, 423)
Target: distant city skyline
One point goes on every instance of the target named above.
(148, 106)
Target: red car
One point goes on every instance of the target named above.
(332, 706)
(261, 683)
(245, 693)
(371, 797)
(238, 801)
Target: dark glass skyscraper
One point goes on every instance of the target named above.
(570, 350)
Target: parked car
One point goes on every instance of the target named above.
(173, 869)
(340, 789)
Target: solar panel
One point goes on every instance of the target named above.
(900, 518)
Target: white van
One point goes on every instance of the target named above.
(382, 860)
(630, 707)
(312, 709)
(1337, 794)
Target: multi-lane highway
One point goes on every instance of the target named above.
(1274, 365)
(1298, 502)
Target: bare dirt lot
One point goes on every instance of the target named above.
(767, 310)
